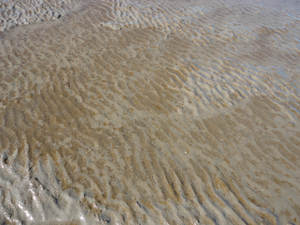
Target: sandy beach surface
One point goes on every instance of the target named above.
(150, 112)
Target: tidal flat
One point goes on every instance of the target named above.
(150, 112)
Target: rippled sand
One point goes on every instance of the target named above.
(171, 112)
(23, 12)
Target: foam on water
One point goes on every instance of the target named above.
(138, 112)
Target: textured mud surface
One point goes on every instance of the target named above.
(152, 113)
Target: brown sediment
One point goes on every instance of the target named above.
(117, 114)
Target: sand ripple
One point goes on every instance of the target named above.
(23, 12)
(164, 113)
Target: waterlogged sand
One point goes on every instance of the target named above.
(143, 112)
(23, 12)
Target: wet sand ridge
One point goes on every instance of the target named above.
(152, 113)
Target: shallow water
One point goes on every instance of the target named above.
(23, 12)
(143, 112)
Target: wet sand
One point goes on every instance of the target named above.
(23, 12)
(171, 112)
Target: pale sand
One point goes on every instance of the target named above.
(152, 113)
